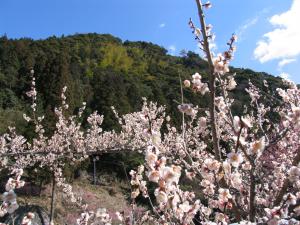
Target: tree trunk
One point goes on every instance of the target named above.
(53, 198)
(40, 187)
(252, 211)
(95, 169)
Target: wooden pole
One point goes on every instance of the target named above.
(53, 198)
(95, 169)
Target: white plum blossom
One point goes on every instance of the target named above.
(257, 146)
(244, 167)
(290, 199)
(151, 158)
(236, 123)
(119, 216)
(246, 122)
(161, 197)
(187, 109)
(231, 83)
(198, 85)
(235, 159)
(27, 220)
(224, 194)
(294, 173)
(220, 65)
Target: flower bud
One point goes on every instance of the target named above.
(207, 5)
(187, 83)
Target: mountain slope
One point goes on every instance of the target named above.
(103, 71)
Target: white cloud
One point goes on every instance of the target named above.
(284, 62)
(250, 23)
(284, 41)
(162, 25)
(242, 29)
(172, 49)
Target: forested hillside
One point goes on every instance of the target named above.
(101, 70)
(219, 154)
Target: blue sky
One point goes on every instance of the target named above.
(164, 22)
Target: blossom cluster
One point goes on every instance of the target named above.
(9, 204)
(242, 168)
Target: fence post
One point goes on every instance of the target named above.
(53, 200)
(95, 169)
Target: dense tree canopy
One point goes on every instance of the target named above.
(103, 71)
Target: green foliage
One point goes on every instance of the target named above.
(116, 57)
(11, 117)
(102, 71)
